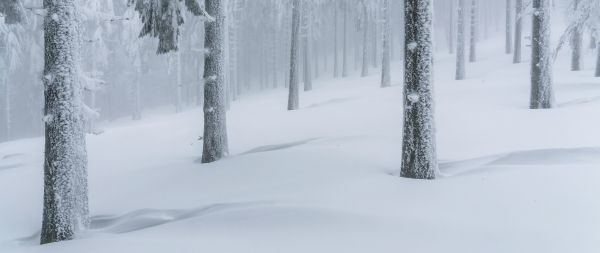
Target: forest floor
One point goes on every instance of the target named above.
(325, 178)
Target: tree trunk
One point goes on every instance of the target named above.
(345, 42)
(541, 57)
(294, 95)
(365, 53)
(509, 22)
(137, 100)
(306, 48)
(336, 67)
(576, 44)
(179, 88)
(215, 129)
(460, 35)
(418, 145)
(598, 61)
(518, 31)
(473, 35)
(452, 27)
(385, 65)
(65, 164)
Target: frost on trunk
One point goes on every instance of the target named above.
(598, 61)
(519, 12)
(345, 41)
(418, 146)
(509, 22)
(473, 34)
(452, 27)
(336, 67)
(541, 57)
(306, 48)
(294, 85)
(460, 44)
(365, 53)
(385, 66)
(65, 164)
(215, 129)
(576, 44)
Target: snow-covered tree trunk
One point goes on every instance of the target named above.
(345, 41)
(215, 128)
(460, 43)
(576, 43)
(306, 47)
(65, 163)
(418, 146)
(452, 27)
(336, 67)
(294, 84)
(509, 23)
(365, 52)
(179, 84)
(473, 35)
(598, 60)
(519, 10)
(385, 65)
(542, 96)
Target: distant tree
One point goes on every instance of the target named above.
(460, 35)
(542, 96)
(294, 85)
(519, 12)
(387, 34)
(509, 23)
(473, 34)
(576, 38)
(418, 147)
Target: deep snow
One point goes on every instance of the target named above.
(324, 178)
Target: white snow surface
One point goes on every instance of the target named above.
(325, 178)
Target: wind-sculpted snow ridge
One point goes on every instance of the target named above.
(542, 157)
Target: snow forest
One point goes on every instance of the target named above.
(274, 126)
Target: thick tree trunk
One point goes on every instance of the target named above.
(518, 31)
(215, 129)
(541, 59)
(509, 22)
(473, 36)
(294, 94)
(576, 44)
(418, 148)
(460, 36)
(65, 163)
(385, 65)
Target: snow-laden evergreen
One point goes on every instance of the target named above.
(418, 145)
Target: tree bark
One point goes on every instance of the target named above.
(518, 31)
(542, 96)
(418, 147)
(473, 35)
(385, 65)
(65, 163)
(294, 94)
(460, 35)
(215, 129)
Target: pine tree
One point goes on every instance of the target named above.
(418, 147)
(542, 96)
(65, 165)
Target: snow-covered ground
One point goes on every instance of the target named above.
(324, 178)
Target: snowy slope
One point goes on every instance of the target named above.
(324, 178)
